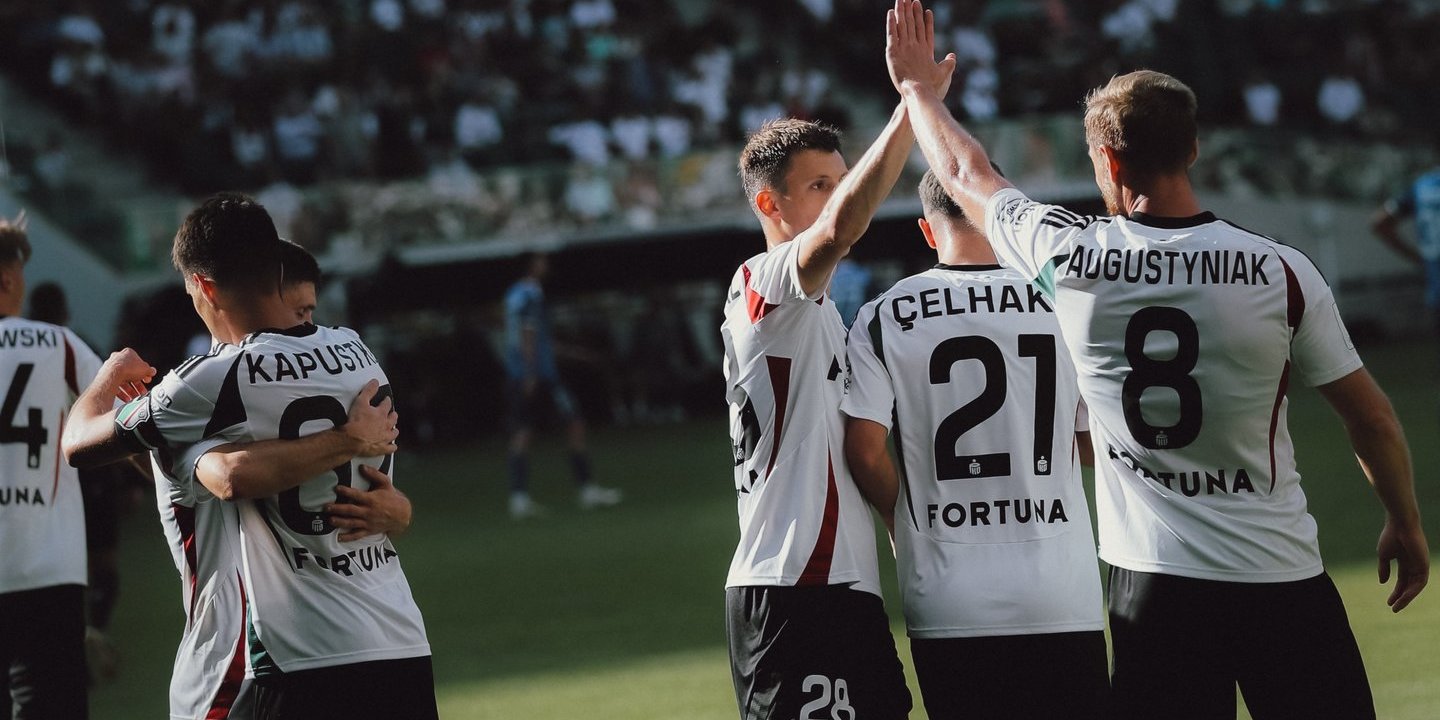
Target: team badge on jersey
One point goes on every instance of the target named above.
(134, 414)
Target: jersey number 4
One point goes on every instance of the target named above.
(33, 435)
(951, 465)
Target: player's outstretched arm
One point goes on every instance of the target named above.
(381, 510)
(868, 456)
(90, 437)
(237, 471)
(1379, 444)
(847, 215)
(956, 157)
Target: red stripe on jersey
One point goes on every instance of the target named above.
(779, 386)
(817, 570)
(1275, 417)
(55, 488)
(755, 303)
(1294, 298)
(185, 520)
(70, 378)
(235, 673)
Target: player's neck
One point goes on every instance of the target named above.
(235, 324)
(965, 249)
(1169, 196)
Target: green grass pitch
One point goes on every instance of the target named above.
(619, 613)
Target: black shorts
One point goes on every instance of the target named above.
(42, 652)
(1014, 677)
(1182, 645)
(813, 652)
(377, 690)
(549, 396)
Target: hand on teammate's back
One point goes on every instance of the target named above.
(375, 425)
(126, 372)
(910, 48)
(380, 510)
(1407, 547)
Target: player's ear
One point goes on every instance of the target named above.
(1194, 153)
(206, 286)
(766, 205)
(927, 231)
(1112, 164)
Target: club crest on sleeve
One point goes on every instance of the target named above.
(134, 414)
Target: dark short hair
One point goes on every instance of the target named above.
(230, 239)
(1147, 118)
(298, 264)
(767, 154)
(935, 200)
(14, 244)
(48, 304)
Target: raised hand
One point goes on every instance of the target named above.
(910, 48)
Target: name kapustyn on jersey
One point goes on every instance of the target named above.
(341, 358)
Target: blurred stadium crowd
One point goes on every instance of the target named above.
(367, 126)
(463, 119)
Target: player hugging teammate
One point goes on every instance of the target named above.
(1121, 328)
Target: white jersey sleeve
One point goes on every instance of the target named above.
(775, 276)
(869, 392)
(1321, 348)
(1031, 237)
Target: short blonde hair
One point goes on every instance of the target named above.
(14, 244)
(1147, 117)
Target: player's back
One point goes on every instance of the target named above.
(43, 367)
(802, 521)
(316, 601)
(966, 367)
(1185, 335)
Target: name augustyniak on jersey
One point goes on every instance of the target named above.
(1189, 482)
(940, 302)
(1155, 267)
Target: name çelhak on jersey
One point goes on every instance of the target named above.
(1189, 482)
(978, 512)
(1170, 267)
(29, 337)
(940, 302)
(343, 357)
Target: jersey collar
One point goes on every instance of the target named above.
(301, 330)
(1172, 223)
(967, 268)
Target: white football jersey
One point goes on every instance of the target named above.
(43, 368)
(802, 520)
(208, 680)
(1185, 334)
(965, 366)
(313, 600)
